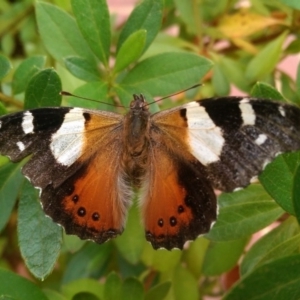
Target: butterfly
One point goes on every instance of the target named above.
(86, 162)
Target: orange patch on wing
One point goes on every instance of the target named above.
(94, 201)
(177, 118)
(99, 200)
(103, 135)
(165, 212)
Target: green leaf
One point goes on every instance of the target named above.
(25, 71)
(112, 287)
(296, 194)
(131, 243)
(235, 71)
(265, 61)
(244, 212)
(72, 243)
(186, 11)
(220, 81)
(286, 248)
(12, 14)
(162, 260)
(5, 297)
(87, 262)
(130, 50)
(5, 66)
(167, 73)
(3, 109)
(11, 180)
(82, 68)
(92, 17)
(85, 296)
(277, 280)
(40, 238)
(214, 262)
(293, 47)
(43, 90)
(195, 254)
(60, 33)
(158, 292)
(287, 88)
(97, 91)
(148, 16)
(125, 93)
(292, 3)
(278, 178)
(17, 287)
(90, 286)
(266, 91)
(53, 295)
(132, 289)
(166, 43)
(185, 286)
(281, 241)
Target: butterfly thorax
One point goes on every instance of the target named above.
(136, 139)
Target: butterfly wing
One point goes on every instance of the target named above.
(75, 163)
(220, 143)
(252, 133)
(178, 202)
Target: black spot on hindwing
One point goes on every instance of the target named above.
(200, 200)
(53, 198)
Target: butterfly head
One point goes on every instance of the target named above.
(139, 104)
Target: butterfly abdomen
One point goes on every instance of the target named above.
(136, 140)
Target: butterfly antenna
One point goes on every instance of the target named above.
(177, 93)
(64, 93)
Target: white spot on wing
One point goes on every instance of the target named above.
(205, 138)
(261, 139)
(67, 142)
(40, 192)
(244, 100)
(237, 189)
(254, 179)
(248, 114)
(0, 124)
(27, 122)
(212, 225)
(21, 146)
(266, 162)
(281, 111)
(36, 187)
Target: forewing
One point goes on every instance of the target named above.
(234, 137)
(254, 131)
(75, 163)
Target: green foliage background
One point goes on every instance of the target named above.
(77, 46)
